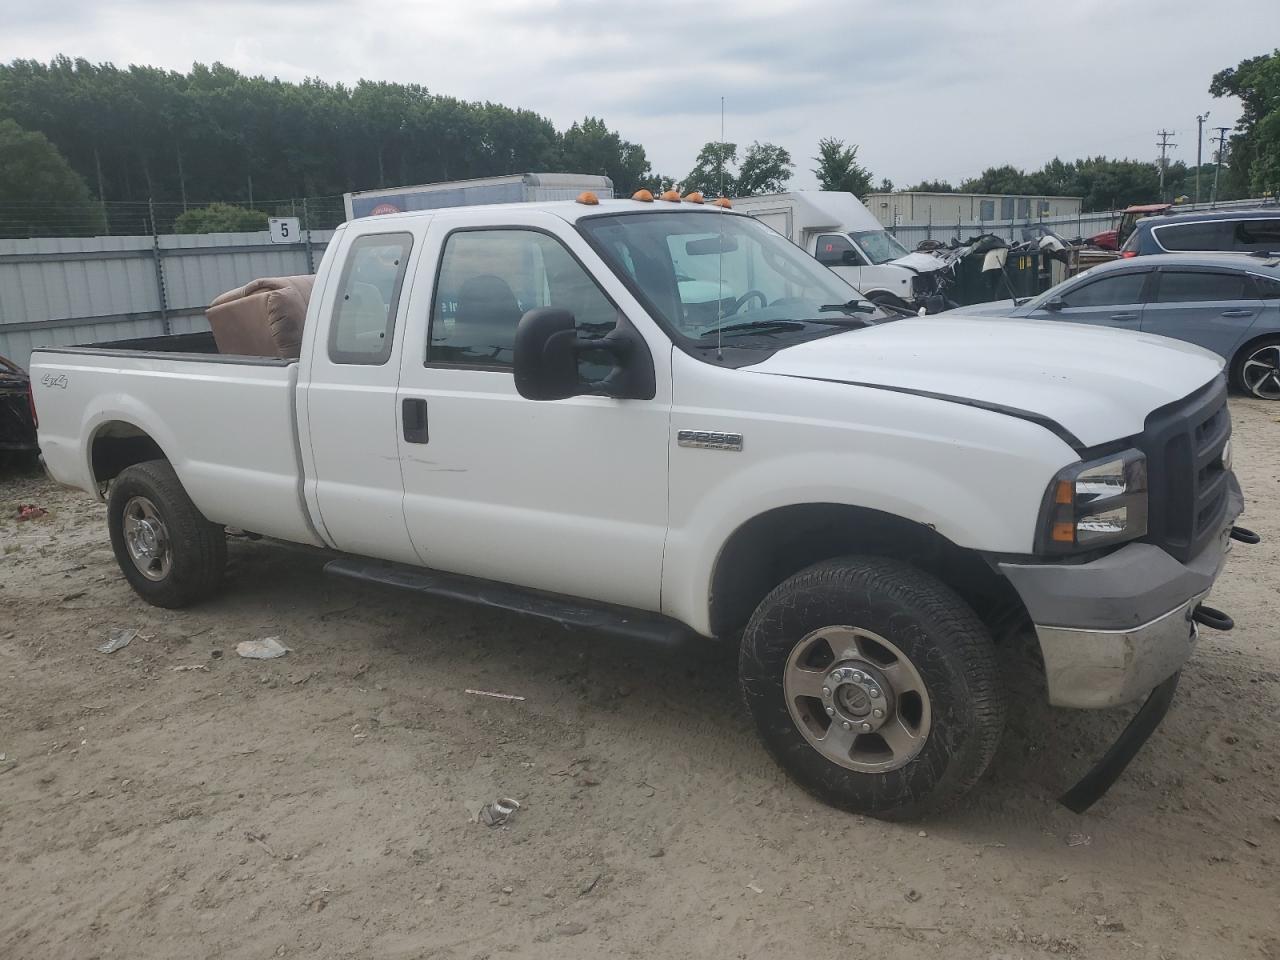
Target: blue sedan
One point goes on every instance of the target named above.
(1227, 303)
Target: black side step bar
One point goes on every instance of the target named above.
(569, 612)
(1107, 770)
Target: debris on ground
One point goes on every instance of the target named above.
(29, 511)
(119, 639)
(1109, 924)
(755, 887)
(1079, 840)
(268, 648)
(191, 666)
(497, 813)
(912, 895)
(496, 696)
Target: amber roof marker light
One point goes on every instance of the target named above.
(671, 196)
(644, 196)
(694, 197)
(588, 198)
(723, 202)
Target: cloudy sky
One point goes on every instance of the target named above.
(927, 88)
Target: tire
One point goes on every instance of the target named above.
(943, 708)
(1249, 372)
(170, 554)
(886, 299)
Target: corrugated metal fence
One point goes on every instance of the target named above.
(60, 291)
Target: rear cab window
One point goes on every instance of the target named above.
(364, 316)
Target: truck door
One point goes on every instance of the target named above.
(836, 251)
(567, 496)
(347, 406)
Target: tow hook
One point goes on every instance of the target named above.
(1245, 535)
(1209, 617)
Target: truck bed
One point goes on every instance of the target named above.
(227, 423)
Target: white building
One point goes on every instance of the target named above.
(941, 209)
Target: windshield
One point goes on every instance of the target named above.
(880, 247)
(702, 273)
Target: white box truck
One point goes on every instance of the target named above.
(514, 188)
(842, 234)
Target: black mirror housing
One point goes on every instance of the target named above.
(1057, 303)
(547, 349)
(545, 361)
(850, 258)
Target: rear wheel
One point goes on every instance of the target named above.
(1256, 369)
(170, 554)
(874, 686)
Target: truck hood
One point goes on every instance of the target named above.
(1096, 384)
(920, 262)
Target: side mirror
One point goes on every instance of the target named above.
(545, 361)
(547, 351)
(850, 258)
(1056, 304)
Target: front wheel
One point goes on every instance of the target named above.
(170, 554)
(1256, 370)
(874, 686)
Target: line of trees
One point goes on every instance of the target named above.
(1254, 153)
(214, 133)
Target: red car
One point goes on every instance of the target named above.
(1112, 239)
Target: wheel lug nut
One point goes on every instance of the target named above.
(831, 711)
(826, 692)
(866, 727)
(877, 713)
(857, 677)
(847, 725)
(875, 692)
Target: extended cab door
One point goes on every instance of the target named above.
(568, 496)
(347, 402)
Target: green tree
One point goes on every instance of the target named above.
(1254, 155)
(765, 168)
(931, 186)
(838, 168)
(221, 218)
(591, 147)
(40, 195)
(712, 167)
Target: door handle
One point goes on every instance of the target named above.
(1237, 313)
(414, 414)
(1124, 316)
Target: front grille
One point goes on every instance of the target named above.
(1188, 484)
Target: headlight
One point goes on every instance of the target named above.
(1096, 503)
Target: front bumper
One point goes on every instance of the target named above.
(1113, 629)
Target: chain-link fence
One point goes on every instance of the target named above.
(24, 219)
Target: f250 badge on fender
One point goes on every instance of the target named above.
(55, 380)
(710, 440)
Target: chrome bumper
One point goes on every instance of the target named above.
(1090, 669)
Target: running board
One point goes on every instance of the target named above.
(571, 612)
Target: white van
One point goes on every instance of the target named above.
(842, 234)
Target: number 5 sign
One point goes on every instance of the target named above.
(284, 229)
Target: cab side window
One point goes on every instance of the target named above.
(1108, 291)
(489, 279)
(364, 318)
(831, 250)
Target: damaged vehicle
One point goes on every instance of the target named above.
(17, 414)
(516, 406)
(840, 233)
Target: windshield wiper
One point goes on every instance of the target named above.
(849, 306)
(778, 324)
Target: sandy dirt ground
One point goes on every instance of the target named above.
(322, 804)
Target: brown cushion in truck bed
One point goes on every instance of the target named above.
(263, 318)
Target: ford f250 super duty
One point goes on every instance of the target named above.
(520, 406)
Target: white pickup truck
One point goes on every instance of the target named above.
(514, 405)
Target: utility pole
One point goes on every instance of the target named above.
(1218, 156)
(1200, 119)
(1164, 146)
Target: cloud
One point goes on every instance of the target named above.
(927, 89)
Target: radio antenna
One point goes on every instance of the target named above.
(720, 282)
